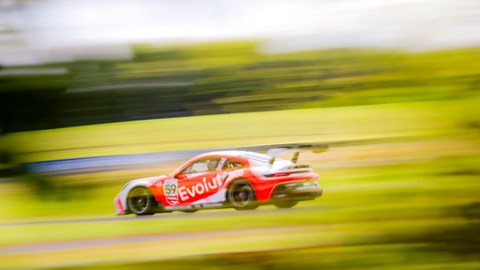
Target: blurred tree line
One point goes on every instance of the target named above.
(226, 77)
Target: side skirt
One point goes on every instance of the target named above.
(195, 206)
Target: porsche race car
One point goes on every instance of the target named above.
(239, 179)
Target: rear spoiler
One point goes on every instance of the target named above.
(315, 148)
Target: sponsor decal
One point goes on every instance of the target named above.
(180, 207)
(207, 185)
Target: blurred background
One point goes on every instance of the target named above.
(96, 93)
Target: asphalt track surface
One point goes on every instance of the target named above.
(76, 244)
(200, 214)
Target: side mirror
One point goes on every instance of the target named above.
(180, 176)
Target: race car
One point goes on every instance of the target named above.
(239, 179)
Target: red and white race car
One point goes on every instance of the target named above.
(239, 179)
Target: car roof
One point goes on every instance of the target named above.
(226, 153)
(238, 154)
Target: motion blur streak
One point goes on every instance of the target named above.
(95, 95)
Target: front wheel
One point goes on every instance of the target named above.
(141, 201)
(241, 195)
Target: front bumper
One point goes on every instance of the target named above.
(297, 191)
(120, 208)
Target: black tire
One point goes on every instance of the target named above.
(241, 196)
(285, 204)
(141, 202)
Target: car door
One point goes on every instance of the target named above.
(199, 181)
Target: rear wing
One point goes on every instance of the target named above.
(276, 151)
(315, 148)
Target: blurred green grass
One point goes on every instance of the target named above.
(385, 202)
(241, 129)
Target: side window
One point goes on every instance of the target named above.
(201, 166)
(230, 165)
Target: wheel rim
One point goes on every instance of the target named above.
(241, 195)
(139, 200)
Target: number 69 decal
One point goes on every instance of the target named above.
(170, 187)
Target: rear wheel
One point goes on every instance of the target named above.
(285, 204)
(141, 201)
(241, 195)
